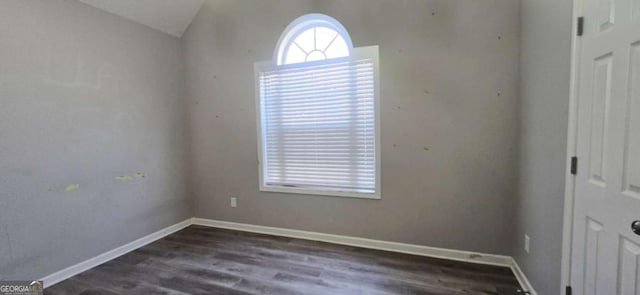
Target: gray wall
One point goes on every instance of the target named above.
(449, 73)
(544, 69)
(85, 97)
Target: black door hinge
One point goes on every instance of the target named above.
(574, 165)
(568, 291)
(580, 29)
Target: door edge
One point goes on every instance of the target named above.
(569, 197)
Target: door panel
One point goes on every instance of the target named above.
(592, 253)
(631, 183)
(599, 120)
(629, 262)
(606, 14)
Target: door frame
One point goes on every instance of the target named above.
(570, 180)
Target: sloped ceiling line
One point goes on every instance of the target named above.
(168, 16)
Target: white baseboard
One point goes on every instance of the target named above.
(73, 270)
(522, 278)
(449, 254)
(457, 255)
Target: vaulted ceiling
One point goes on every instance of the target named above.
(169, 16)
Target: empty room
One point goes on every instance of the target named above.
(320, 147)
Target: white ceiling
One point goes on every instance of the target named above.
(169, 16)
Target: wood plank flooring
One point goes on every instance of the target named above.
(202, 260)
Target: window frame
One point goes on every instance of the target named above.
(368, 52)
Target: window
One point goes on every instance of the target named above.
(318, 119)
(316, 43)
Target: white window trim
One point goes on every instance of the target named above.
(369, 52)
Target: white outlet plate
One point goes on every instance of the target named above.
(234, 202)
(527, 242)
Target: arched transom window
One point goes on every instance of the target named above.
(318, 116)
(313, 37)
(317, 43)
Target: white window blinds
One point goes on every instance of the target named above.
(318, 126)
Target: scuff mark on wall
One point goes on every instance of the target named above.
(73, 68)
(139, 175)
(108, 75)
(6, 231)
(425, 148)
(72, 187)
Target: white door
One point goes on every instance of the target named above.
(606, 251)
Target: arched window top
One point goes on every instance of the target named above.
(313, 37)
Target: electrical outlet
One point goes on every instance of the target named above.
(527, 241)
(234, 202)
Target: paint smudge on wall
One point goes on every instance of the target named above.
(125, 177)
(72, 187)
(425, 148)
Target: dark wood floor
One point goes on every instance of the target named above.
(201, 260)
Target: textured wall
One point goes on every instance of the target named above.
(449, 72)
(85, 97)
(545, 72)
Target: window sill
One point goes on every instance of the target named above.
(320, 192)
